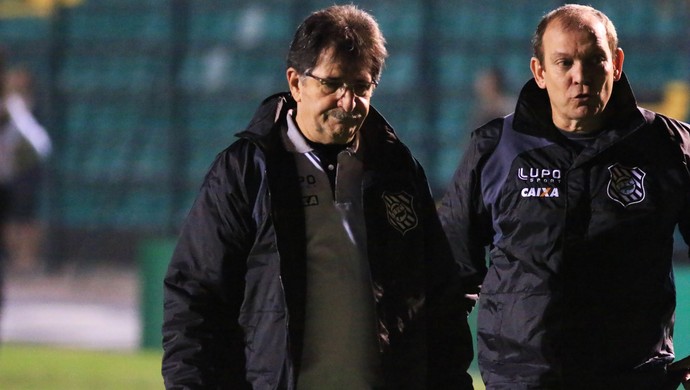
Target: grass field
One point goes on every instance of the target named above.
(25, 367)
(31, 367)
(42, 368)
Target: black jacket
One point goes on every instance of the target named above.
(579, 291)
(235, 288)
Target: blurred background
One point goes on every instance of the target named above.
(138, 96)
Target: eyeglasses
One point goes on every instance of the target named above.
(330, 86)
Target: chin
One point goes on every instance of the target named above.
(342, 137)
(586, 113)
(345, 132)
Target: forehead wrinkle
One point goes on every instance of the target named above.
(594, 43)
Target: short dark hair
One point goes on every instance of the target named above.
(352, 33)
(572, 15)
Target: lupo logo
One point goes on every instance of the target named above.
(539, 175)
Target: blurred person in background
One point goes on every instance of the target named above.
(22, 140)
(313, 257)
(577, 195)
(5, 179)
(493, 99)
(25, 147)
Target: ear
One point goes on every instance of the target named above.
(537, 71)
(293, 79)
(618, 64)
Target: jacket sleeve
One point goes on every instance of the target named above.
(467, 232)
(204, 285)
(449, 340)
(464, 216)
(680, 134)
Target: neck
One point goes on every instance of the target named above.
(579, 126)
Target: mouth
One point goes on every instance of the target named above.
(585, 99)
(345, 118)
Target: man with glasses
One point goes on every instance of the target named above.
(313, 257)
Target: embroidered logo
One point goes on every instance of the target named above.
(626, 185)
(400, 212)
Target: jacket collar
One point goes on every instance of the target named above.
(533, 111)
(270, 115)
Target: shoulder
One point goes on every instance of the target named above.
(237, 165)
(489, 133)
(485, 139)
(678, 131)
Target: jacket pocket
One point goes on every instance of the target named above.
(515, 328)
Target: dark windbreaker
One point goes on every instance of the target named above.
(235, 287)
(578, 292)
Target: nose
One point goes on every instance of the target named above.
(347, 101)
(580, 73)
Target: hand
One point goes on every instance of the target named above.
(683, 367)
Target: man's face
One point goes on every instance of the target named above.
(325, 117)
(578, 72)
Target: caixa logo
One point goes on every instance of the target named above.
(540, 192)
(539, 175)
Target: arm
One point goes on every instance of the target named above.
(680, 369)
(27, 125)
(449, 338)
(467, 232)
(204, 286)
(464, 216)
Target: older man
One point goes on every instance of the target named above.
(313, 257)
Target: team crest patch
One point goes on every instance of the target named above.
(400, 212)
(626, 185)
